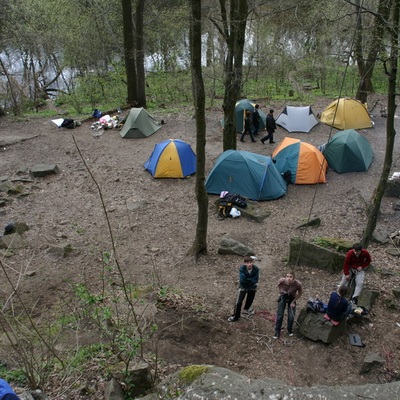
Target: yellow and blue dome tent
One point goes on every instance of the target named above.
(171, 159)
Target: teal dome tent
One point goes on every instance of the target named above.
(348, 151)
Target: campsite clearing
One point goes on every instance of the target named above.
(154, 224)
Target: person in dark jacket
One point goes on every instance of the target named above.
(248, 282)
(270, 126)
(247, 128)
(6, 393)
(356, 261)
(255, 119)
(338, 307)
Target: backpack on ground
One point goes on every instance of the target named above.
(236, 199)
(68, 123)
(224, 208)
(316, 305)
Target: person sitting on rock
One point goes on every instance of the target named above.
(338, 307)
(356, 261)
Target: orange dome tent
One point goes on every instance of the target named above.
(305, 162)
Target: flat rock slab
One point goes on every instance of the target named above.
(40, 170)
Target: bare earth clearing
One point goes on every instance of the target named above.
(154, 223)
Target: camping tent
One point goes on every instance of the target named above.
(297, 119)
(348, 151)
(139, 124)
(171, 159)
(240, 113)
(346, 113)
(248, 174)
(304, 161)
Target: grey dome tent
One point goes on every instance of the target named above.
(297, 119)
(348, 151)
(249, 174)
(139, 124)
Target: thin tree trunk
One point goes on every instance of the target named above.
(140, 72)
(200, 243)
(366, 66)
(129, 52)
(374, 206)
(234, 33)
(16, 109)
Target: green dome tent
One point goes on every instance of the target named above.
(139, 124)
(240, 110)
(251, 175)
(348, 151)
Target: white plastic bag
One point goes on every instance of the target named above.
(234, 213)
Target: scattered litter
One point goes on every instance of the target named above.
(355, 340)
(395, 175)
(398, 324)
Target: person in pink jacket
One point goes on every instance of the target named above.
(356, 261)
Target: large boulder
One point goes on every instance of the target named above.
(232, 246)
(216, 383)
(312, 255)
(315, 327)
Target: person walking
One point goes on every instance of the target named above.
(356, 262)
(248, 282)
(270, 126)
(255, 119)
(290, 290)
(247, 127)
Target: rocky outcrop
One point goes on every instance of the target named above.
(302, 252)
(232, 246)
(215, 383)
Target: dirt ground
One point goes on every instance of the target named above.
(154, 222)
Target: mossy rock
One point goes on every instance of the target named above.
(191, 373)
(337, 244)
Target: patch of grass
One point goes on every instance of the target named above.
(12, 375)
(340, 245)
(98, 351)
(191, 373)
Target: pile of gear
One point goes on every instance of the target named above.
(226, 203)
(105, 122)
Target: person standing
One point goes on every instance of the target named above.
(290, 290)
(247, 127)
(356, 261)
(270, 126)
(248, 282)
(338, 307)
(255, 118)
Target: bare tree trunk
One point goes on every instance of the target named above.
(373, 207)
(366, 66)
(129, 52)
(141, 76)
(16, 109)
(233, 29)
(200, 243)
